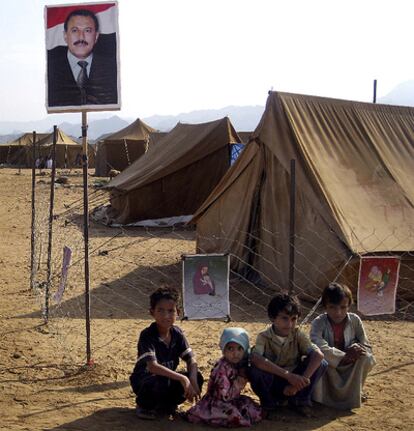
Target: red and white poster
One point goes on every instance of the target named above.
(82, 56)
(377, 285)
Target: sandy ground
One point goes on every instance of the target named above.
(43, 382)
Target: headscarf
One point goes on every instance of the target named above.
(236, 335)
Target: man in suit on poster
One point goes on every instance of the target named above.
(77, 73)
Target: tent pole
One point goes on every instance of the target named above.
(86, 236)
(292, 225)
(51, 207)
(32, 241)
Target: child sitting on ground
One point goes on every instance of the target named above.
(223, 405)
(341, 337)
(158, 387)
(285, 364)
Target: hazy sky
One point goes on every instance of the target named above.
(182, 55)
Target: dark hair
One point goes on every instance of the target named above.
(334, 293)
(81, 12)
(164, 292)
(283, 302)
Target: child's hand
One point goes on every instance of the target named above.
(290, 391)
(354, 352)
(188, 388)
(297, 381)
(196, 389)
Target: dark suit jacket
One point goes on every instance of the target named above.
(101, 88)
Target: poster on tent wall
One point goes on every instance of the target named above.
(377, 285)
(206, 286)
(82, 57)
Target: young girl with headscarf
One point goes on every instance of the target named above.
(223, 405)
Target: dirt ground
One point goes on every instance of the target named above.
(44, 384)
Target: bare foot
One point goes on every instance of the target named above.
(304, 411)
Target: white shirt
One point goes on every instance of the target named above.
(73, 63)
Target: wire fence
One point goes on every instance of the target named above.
(127, 264)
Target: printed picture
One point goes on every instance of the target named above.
(206, 286)
(82, 57)
(377, 285)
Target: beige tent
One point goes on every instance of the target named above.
(244, 136)
(15, 152)
(176, 175)
(355, 192)
(68, 151)
(20, 151)
(121, 149)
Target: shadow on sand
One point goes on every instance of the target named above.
(121, 418)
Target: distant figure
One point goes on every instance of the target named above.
(49, 163)
(76, 74)
(37, 163)
(202, 282)
(78, 160)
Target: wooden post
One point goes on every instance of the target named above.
(51, 207)
(86, 237)
(292, 226)
(33, 238)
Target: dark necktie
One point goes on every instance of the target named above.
(83, 74)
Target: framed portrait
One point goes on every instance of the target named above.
(206, 286)
(82, 57)
(377, 285)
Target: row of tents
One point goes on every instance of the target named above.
(19, 152)
(354, 187)
(114, 151)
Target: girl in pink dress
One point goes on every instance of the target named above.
(223, 405)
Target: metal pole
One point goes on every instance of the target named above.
(49, 249)
(292, 225)
(32, 243)
(375, 92)
(86, 236)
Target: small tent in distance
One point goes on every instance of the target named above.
(68, 152)
(355, 192)
(120, 149)
(14, 152)
(175, 176)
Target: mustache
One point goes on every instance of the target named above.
(81, 42)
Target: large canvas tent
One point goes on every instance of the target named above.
(354, 192)
(68, 152)
(122, 148)
(175, 176)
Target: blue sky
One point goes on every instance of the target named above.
(182, 55)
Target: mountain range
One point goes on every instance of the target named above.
(244, 118)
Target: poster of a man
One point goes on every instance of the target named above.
(82, 57)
